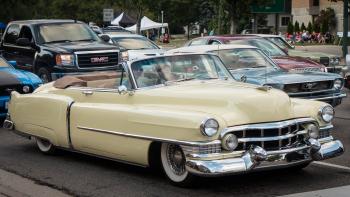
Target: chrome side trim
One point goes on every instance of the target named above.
(268, 125)
(328, 127)
(70, 144)
(180, 142)
(342, 95)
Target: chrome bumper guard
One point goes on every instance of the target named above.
(8, 124)
(256, 158)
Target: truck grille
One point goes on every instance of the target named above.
(6, 90)
(272, 136)
(97, 60)
(308, 86)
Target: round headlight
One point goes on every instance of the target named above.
(327, 113)
(209, 127)
(26, 89)
(338, 84)
(229, 142)
(313, 131)
(331, 60)
(336, 61)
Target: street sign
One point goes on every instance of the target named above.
(340, 34)
(108, 15)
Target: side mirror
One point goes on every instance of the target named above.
(347, 59)
(13, 63)
(24, 42)
(105, 38)
(122, 90)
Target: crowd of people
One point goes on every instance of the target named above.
(305, 36)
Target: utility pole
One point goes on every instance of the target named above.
(345, 27)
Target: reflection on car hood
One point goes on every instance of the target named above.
(70, 47)
(237, 103)
(268, 76)
(288, 62)
(136, 54)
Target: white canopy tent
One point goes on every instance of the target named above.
(116, 20)
(147, 24)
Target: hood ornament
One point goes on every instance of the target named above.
(264, 88)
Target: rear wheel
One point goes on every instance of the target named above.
(45, 146)
(44, 74)
(173, 162)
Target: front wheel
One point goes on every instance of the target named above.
(173, 162)
(44, 74)
(45, 146)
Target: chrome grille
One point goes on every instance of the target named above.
(272, 136)
(308, 87)
(203, 149)
(97, 59)
(324, 133)
(307, 69)
(324, 61)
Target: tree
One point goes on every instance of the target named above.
(309, 27)
(302, 27)
(296, 26)
(327, 19)
(316, 27)
(290, 28)
(324, 27)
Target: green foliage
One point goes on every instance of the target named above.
(290, 28)
(309, 27)
(324, 27)
(327, 20)
(302, 27)
(296, 26)
(316, 27)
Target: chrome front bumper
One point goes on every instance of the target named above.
(258, 159)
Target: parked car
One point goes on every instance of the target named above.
(332, 62)
(14, 80)
(53, 48)
(183, 112)
(115, 30)
(276, 53)
(133, 46)
(250, 64)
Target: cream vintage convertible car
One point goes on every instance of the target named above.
(185, 111)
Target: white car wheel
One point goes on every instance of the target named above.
(173, 162)
(45, 146)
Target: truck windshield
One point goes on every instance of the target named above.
(3, 63)
(66, 32)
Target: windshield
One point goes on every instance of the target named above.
(280, 42)
(3, 63)
(268, 47)
(164, 70)
(134, 43)
(66, 32)
(244, 58)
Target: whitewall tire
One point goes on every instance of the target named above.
(45, 146)
(173, 162)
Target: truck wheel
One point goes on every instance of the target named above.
(173, 162)
(44, 74)
(45, 146)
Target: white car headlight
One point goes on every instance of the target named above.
(209, 127)
(26, 89)
(229, 142)
(327, 113)
(65, 60)
(338, 84)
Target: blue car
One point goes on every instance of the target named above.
(250, 64)
(14, 80)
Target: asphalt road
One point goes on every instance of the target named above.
(81, 175)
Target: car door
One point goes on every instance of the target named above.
(98, 116)
(26, 53)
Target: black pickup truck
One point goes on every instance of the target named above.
(54, 48)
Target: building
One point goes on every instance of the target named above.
(305, 11)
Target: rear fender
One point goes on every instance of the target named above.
(42, 115)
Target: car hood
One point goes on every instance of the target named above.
(288, 63)
(309, 54)
(235, 102)
(277, 76)
(135, 54)
(10, 76)
(70, 47)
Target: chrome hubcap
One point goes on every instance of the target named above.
(176, 159)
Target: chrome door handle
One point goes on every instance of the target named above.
(88, 92)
